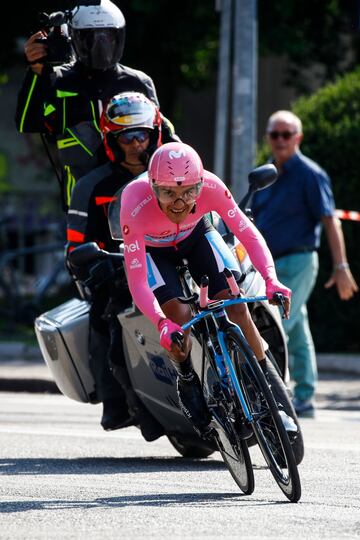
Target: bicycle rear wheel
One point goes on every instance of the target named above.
(267, 424)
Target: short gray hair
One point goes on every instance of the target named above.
(285, 116)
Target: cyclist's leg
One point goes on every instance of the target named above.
(165, 283)
(210, 256)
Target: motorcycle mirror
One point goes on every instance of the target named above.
(84, 254)
(262, 177)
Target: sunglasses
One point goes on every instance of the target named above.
(141, 135)
(286, 135)
(166, 195)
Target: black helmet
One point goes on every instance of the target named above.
(98, 35)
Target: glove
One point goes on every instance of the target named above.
(166, 328)
(274, 286)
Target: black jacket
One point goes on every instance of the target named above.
(65, 103)
(87, 218)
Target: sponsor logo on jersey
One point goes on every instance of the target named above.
(227, 194)
(140, 206)
(242, 225)
(131, 248)
(135, 263)
(210, 185)
(126, 229)
(232, 213)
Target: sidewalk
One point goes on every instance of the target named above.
(22, 368)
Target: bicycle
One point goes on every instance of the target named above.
(238, 393)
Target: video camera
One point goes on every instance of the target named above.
(59, 50)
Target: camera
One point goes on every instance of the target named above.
(59, 49)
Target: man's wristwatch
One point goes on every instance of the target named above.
(341, 266)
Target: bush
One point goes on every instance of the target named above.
(331, 124)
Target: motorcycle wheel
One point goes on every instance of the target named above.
(189, 449)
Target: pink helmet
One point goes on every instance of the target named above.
(175, 164)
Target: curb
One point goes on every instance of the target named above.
(24, 370)
(333, 362)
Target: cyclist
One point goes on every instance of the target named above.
(65, 102)
(163, 221)
(131, 126)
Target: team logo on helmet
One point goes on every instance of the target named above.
(177, 155)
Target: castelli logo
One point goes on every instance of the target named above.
(126, 229)
(228, 194)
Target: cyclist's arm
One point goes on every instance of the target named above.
(136, 266)
(246, 232)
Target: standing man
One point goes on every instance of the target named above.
(290, 215)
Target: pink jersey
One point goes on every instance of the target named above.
(143, 223)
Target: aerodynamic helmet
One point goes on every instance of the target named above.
(98, 35)
(175, 164)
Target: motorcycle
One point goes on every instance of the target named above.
(62, 334)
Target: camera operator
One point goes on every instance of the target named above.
(65, 101)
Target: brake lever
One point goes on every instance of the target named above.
(178, 339)
(280, 301)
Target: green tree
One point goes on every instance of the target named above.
(178, 45)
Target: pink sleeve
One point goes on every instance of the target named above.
(246, 232)
(136, 267)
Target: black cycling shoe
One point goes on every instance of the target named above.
(150, 428)
(115, 414)
(192, 402)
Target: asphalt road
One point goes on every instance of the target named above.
(63, 477)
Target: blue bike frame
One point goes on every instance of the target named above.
(217, 310)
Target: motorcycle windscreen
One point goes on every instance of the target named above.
(114, 210)
(114, 216)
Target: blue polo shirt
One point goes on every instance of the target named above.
(288, 213)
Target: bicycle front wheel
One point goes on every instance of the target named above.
(267, 424)
(225, 412)
(235, 454)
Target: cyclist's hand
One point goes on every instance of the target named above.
(166, 328)
(274, 286)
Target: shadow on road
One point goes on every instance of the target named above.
(103, 465)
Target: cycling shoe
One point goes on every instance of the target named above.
(192, 402)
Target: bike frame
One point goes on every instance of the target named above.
(216, 311)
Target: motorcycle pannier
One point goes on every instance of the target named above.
(62, 334)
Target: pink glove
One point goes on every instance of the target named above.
(166, 328)
(274, 286)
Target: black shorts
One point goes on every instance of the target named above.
(205, 253)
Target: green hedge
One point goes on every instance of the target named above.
(331, 124)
